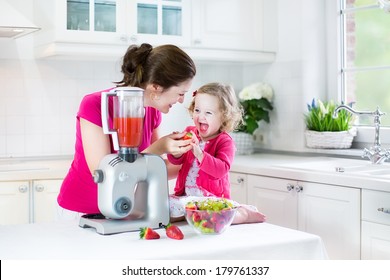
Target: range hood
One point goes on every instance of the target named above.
(12, 23)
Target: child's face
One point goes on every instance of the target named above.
(207, 116)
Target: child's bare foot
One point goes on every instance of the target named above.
(248, 214)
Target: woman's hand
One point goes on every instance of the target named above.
(170, 144)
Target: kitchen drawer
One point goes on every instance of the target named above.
(372, 202)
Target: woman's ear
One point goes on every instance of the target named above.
(154, 88)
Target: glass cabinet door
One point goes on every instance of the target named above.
(91, 15)
(159, 17)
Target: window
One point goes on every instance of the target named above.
(365, 57)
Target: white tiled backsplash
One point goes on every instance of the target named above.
(39, 100)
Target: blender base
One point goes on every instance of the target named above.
(107, 226)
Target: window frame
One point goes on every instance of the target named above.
(335, 79)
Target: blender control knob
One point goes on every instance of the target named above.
(98, 176)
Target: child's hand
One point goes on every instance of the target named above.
(196, 150)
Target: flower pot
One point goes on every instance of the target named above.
(330, 139)
(244, 143)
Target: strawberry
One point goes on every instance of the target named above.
(196, 217)
(173, 232)
(148, 233)
(188, 136)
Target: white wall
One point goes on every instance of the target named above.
(39, 98)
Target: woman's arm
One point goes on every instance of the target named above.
(96, 144)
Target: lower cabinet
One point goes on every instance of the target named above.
(332, 212)
(24, 202)
(45, 194)
(14, 202)
(238, 187)
(375, 225)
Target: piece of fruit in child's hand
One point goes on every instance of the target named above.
(187, 136)
(173, 232)
(148, 233)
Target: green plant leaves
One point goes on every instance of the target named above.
(255, 110)
(317, 120)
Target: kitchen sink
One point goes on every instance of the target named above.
(335, 165)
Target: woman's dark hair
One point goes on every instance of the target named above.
(165, 65)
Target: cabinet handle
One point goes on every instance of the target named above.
(39, 188)
(23, 188)
(299, 188)
(240, 180)
(123, 38)
(197, 42)
(133, 38)
(290, 187)
(384, 210)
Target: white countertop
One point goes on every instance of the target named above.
(66, 240)
(272, 165)
(34, 169)
(264, 164)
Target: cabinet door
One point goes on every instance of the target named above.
(14, 202)
(375, 241)
(159, 22)
(80, 21)
(234, 24)
(274, 197)
(333, 213)
(45, 194)
(375, 225)
(238, 187)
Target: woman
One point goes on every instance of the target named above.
(165, 73)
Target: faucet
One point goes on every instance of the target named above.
(375, 153)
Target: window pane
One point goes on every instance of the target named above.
(78, 15)
(147, 18)
(359, 3)
(105, 15)
(369, 89)
(171, 20)
(368, 38)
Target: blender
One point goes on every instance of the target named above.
(132, 187)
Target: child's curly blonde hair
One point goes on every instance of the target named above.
(231, 109)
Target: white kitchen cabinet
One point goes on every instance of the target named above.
(24, 202)
(220, 27)
(332, 212)
(45, 194)
(14, 202)
(97, 28)
(375, 225)
(275, 198)
(238, 187)
(216, 30)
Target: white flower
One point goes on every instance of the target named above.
(257, 91)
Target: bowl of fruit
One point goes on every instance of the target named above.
(211, 215)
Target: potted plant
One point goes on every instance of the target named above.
(324, 131)
(255, 100)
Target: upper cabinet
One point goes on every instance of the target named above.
(105, 28)
(226, 30)
(245, 29)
